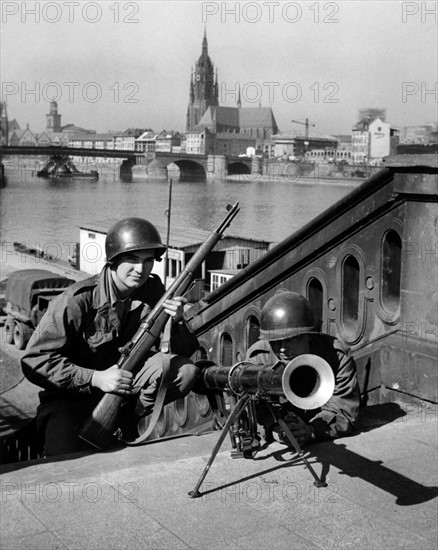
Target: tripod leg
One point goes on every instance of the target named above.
(243, 400)
(318, 481)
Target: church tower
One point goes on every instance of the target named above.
(53, 118)
(203, 88)
(4, 130)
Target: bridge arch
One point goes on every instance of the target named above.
(190, 169)
(238, 168)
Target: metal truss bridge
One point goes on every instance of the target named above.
(190, 166)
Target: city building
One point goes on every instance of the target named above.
(23, 138)
(199, 142)
(58, 134)
(359, 142)
(13, 125)
(425, 134)
(54, 134)
(343, 151)
(233, 144)
(394, 140)
(125, 141)
(371, 141)
(53, 118)
(168, 142)
(94, 141)
(8, 128)
(205, 142)
(26, 138)
(257, 123)
(284, 146)
(379, 141)
(146, 142)
(294, 147)
(44, 139)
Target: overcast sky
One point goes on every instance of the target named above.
(113, 65)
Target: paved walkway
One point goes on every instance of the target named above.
(381, 494)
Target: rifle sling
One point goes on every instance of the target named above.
(159, 401)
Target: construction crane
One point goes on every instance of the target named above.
(306, 124)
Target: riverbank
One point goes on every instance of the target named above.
(294, 179)
(11, 261)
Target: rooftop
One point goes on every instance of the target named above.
(293, 136)
(180, 237)
(93, 137)
(148, 136)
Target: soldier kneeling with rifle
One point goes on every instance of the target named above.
(287, 331)
(73, 353)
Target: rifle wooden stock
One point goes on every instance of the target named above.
(99, 428)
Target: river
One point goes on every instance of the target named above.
(39, 212)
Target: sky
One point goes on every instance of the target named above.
(112, 65)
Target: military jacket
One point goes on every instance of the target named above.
(338, 416)
(81, 333)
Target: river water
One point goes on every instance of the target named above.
(41, 212)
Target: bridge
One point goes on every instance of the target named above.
(54, 151)
(201, 166)
(190, 166)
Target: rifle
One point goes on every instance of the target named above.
(307, 382)
(101, 425)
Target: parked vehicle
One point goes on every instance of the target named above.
(359, 173)
(28, 293)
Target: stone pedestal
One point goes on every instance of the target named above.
(216, 167)
(126, 170)
(157, 171)
(256, 165)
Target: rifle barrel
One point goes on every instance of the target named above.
(182, 283)
(100, 426)
(232, 212)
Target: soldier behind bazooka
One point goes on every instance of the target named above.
(287, 330)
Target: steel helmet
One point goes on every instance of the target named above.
(132, 234)
(285, 315)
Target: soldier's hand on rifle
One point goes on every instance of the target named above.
(113, 380)
(175, 307)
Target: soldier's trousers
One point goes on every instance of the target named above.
(60, 421)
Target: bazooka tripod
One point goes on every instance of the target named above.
(240, 407)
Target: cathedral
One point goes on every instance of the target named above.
(203, 88)
(205, 113)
